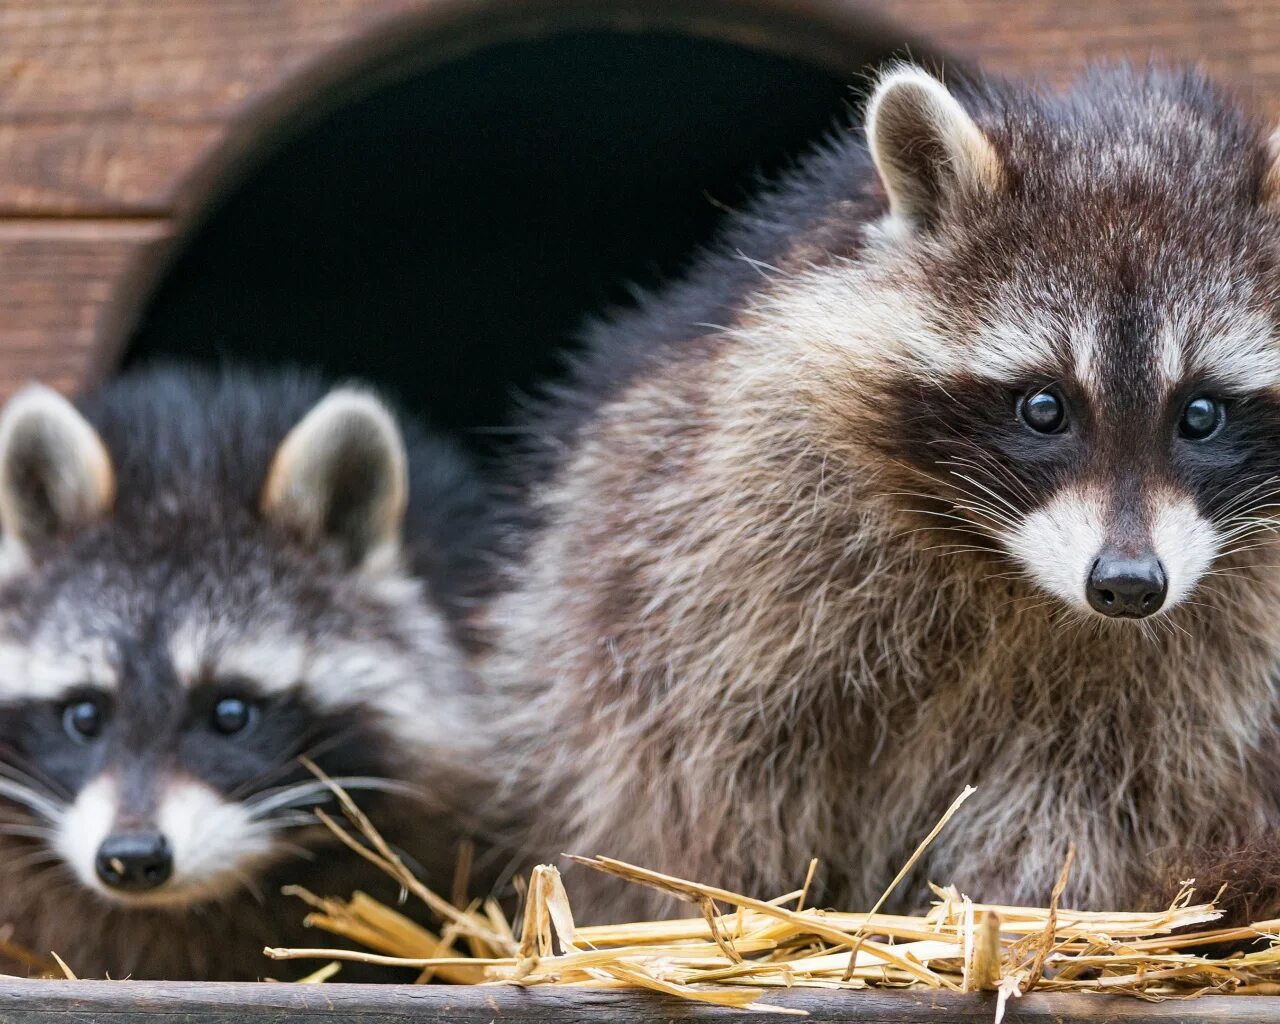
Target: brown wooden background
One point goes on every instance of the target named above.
(107, 108)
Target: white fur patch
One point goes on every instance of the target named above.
(1084, 356)
(30, 672)
(1241, 353)
(1009, 350)
(339, 673)
(1057, 544)
(1170, 356)
(83, 827)
(1186, 545)
(216, 843)
(886, 324)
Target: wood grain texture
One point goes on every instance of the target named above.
(1237, 40)
(127, 109)
(58, 281)
(106, 107)
(40, 1002)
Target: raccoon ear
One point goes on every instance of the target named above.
(926, 148)
(341, 477)
(1270, 193)
(54, 469)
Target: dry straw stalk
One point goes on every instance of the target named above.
(737, 948)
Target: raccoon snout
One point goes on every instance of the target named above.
(134, 861)
(1123, 587)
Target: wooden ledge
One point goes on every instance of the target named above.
(59, 1002)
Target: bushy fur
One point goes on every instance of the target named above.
(183, 569)
(773, 607)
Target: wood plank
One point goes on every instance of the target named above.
(1237, 40)
(206, 59)
(58, 282)
(51, 1002)
(108, 106)
(107, 167)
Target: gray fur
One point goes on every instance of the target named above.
(744, 634)
(187, 586)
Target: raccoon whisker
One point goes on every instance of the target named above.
(1247, 535)
(991, 515)
(45, 880)
(300, 793)
(992, 520)
(290, 818)
(978, 506)
(1240, 499)
(290, 762)
(988, 460)
(988, 464)
(296, 849)
(958, 549)
(1265, 543)
(972, 531)
(1248, 527)
(22, 794)
(1239, 524)
(969, 523)
(987, 490)
(1039, 602)
(1226, 600)
(28, 831)
(29, 775)
(40, 856)
(1226, 556)
(944, 482)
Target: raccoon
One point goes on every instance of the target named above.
(956, 462)
(206, 578)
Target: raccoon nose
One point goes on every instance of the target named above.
(135, 861)
(1123, 587)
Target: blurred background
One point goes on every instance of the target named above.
(436, 193)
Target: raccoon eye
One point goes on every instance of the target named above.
(232, 715)
(82, 720)
(1043, 411)
(1201, 418)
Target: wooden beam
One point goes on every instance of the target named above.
(53, 1002)
(59, 281)
(109, 107)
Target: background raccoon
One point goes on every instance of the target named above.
(204, 578)
(955, 463)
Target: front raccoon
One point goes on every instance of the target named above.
(205, 579)
(973, 481)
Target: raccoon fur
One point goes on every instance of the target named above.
(956, 462)
(204, 579)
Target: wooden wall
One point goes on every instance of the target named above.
(107, 108)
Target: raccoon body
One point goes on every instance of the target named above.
(956, 463)
(207, 578)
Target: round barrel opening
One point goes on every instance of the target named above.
(442, 218)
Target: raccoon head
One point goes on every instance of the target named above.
(1062, 332)
(167, 657)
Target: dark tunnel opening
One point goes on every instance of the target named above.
(445, 231)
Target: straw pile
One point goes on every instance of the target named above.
(738, 948)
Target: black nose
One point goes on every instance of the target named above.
(1126, 588)
(135, 861)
